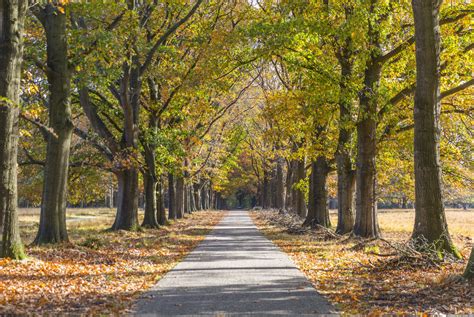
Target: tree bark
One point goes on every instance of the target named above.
(279, 186)
(179, 197)
(267, 198)
(205, 195)
(298, 195)
(127, 200)
(12, 16)
(172, 197)
(192, 200)
(197, 196)
(52, 227)
(345, 172)
(430, 220)
(186, 209)
(160, 197)
(290, 175)
(318, 212)
(366, 224)
(150, 219)
(150, 177)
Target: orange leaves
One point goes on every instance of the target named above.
(359, 282)
(82, 280)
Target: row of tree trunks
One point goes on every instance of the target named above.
(12, 15)
(299, 203)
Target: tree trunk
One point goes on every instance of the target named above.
(266, 191)
(279, 186)
(150, 177)
(192, 201)
(430, 220)
(299, 201)
(179, 197)
(12, 15)
(469, 272)
(186, 209)
(197, 196)
(318, 212)
(172, 197)
(160, 198)
(366, 224)
(150, 219)
(345, 172)
(52, 227)
(290, 175)
(190, 197)
(205, 196)
(127, 200)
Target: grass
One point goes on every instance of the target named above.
(99, 272)
(358, 281)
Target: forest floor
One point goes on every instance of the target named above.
(359, 278)
(99, 272)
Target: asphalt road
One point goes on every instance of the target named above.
(234, 271)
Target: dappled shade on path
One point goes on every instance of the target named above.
(234, 271)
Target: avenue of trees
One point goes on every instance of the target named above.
(187, 103)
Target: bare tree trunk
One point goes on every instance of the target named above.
(150, 219)
(290, 175)
(179, 197)
(127, 200)
(266, 190)
(172, 197)
(52, 227)
(150, 177)
(366, 224)
(12, 15)
(318, 212)
(299, 200)
(190, 197)
(345, 172)
(430, 219)
(197, 196)
(160, 197)
(279, 186)
(192, 200)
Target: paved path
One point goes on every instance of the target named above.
(234, 271)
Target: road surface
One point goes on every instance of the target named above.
(234, 271)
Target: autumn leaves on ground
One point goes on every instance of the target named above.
(371, 277)
(100, 271)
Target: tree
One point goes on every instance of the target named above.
(123, 91)
(52, 228)
(430, 219)
(12, 16)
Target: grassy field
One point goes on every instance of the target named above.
(80, 221)
(460, 222)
